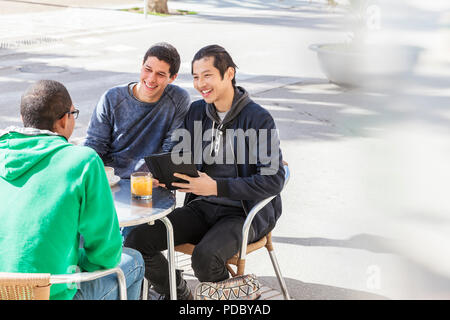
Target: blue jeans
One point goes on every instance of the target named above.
(107, 288)
(125, 231)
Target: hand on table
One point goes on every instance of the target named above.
(157, 184)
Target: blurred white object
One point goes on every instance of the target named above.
(365, 65)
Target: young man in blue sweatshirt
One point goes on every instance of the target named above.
(234, 174)
(135, 120)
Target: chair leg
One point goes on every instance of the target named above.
(276, 267)
(145, 289)
(240, 267)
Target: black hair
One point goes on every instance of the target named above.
(43, 103)
(165, 52)
(222, 59)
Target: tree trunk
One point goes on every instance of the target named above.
(159, 6)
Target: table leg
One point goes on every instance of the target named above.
(171, 258)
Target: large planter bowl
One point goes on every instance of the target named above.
(366, 65)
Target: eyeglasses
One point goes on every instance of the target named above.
(75, 113)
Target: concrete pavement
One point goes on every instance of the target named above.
(342, 232)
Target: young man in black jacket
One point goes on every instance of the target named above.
(235, 147)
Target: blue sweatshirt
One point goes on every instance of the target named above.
(123, 129)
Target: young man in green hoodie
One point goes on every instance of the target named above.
(51, 192)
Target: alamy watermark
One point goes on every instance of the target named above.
(73, 269)
(373, 281)
(228, 146)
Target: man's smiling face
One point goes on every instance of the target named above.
(154, 78)
(209, 82)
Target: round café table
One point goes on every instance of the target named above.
(132, 212)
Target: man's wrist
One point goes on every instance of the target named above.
(222, 187)
(215, 188)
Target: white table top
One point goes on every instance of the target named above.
(133, 212)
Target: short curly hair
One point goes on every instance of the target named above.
(43, 103)
(167, 53)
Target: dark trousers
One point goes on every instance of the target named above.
(216, 230)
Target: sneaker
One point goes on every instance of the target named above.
(183, 291)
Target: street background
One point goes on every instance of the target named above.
(366, 212)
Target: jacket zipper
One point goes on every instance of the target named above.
(237, 173)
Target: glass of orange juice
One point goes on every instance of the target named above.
(141, 185)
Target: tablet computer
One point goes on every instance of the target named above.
(162, 168)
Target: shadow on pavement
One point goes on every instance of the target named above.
(367, 242)
(314, 110)
(19, 68)
(314, 23)
(418, 281)
(259, 5)
(299, 290)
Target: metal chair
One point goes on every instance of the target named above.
(238, 259)
(36, 286)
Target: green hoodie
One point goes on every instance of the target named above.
(50, 193)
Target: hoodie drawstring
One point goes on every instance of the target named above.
(215, 139)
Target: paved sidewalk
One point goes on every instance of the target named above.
(35, 6)
(41, 24)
